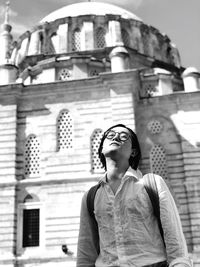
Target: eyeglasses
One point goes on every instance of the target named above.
(123, 136)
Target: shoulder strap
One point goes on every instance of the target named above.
(90, 206)
(90, 199)
(151, 188)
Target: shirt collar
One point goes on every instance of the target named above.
(129, 173)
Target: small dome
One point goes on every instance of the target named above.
(161, 71)
(118, 50)
(88, 8)
(189, 71)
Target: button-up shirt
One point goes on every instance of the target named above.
(128, 230)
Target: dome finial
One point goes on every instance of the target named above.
(7, 12)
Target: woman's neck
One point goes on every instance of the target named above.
(116, 170)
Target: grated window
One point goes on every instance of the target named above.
(158, 161)
(31, 227)
(100, 38)
(95, 141)
(65, 130)
(125, 38)
(64, 75)
(76, 40)
(155, 126)
(94, 72)
(146, 43)
(32, 156)
(149, 89)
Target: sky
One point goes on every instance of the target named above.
(179, 19)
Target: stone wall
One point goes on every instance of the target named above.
(171, 121)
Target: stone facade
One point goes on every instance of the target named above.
(52, 116)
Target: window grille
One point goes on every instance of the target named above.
(31, 227)
(76, 40)
(125, 38)
(95, 141)
(100, 38)
(41, 43)
(65, 130)
(149, 89)
(64, 74)
(177, 85)
(158, 161)
(94, 72)
(155, 126)
(146, 43)
(32, 156)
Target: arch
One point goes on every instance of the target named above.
(64, 130)
(32, 156)
(31, 198)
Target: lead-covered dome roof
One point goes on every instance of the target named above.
(89, 8)
(91, 30)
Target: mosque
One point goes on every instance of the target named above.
(81, 69)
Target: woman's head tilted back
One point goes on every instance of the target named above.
(134, 159)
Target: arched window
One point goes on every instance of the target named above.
(125, 38)
(41, 43)
(100, 37)
(32, 156)
(136, 44)
(30, 222)
(76, 40)
(158, 161)
(95, 141)
(146, 43)
(64, 130)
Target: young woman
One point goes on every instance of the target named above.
(128, 234)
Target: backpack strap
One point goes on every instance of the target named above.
(90, 199)
(151, 188)
(90, 206)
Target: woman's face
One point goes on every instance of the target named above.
(118, 141)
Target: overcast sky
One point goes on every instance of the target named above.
(179, 19)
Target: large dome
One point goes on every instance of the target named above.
(92, 30)
(88, 8)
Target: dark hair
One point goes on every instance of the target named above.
(134, 160)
